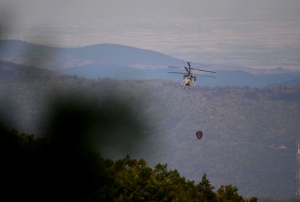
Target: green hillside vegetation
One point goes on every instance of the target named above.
(249, 133)
(39, 170)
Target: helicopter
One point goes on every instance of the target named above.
(188, 77)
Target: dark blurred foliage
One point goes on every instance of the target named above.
(74, 128)
(42, 170)
(63, 164)
(85, 124)
(37, 170)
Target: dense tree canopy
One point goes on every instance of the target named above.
(38, 170)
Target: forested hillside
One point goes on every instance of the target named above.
(249, 133)
(70, 172)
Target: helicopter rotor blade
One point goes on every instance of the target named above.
(205, 75)
(187, 70)
(189, 64)
(173, 67)
(203, 70)
(177, 72)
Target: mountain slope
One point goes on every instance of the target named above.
(124, 62)
(113, 54)
(96, 55)
(249, 133)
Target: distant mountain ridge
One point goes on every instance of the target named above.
(97, 55)
(125, 62)
(113, 54)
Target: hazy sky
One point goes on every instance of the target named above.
(259, 34)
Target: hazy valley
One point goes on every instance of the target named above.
(249, 133)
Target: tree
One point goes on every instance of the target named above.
(205, 191)
(228, 193)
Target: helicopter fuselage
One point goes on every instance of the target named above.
(188, 77)
(188, 81)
